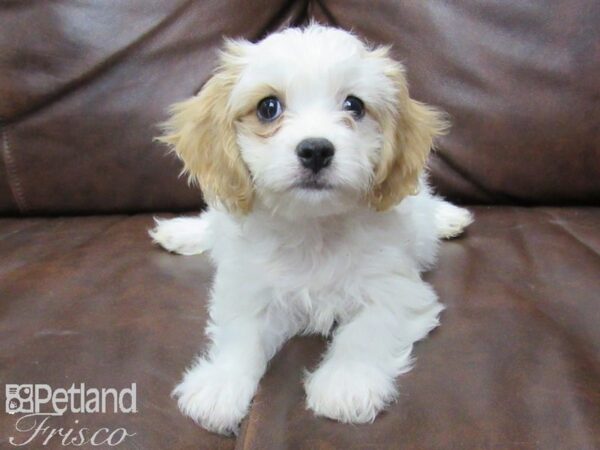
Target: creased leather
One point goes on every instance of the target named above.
(82, 94)
(519, 80)
(83, 87)
(515, 363)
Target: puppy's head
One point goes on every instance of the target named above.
(306, 122)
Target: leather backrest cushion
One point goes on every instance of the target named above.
(520, 80)
(83, 85)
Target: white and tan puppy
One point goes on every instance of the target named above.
(311, 155)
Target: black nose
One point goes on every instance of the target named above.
(315, 153)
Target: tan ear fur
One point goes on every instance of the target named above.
(201, 130)
(408, 135)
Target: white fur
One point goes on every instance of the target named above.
(183, 235)
(451, 220)
(316, 68)
(303, 261)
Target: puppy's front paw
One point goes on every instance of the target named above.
(215, 398)
(349, 392)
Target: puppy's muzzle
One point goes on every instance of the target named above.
(315, 153)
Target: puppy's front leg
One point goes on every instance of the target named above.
(356, 378)
(217, 390)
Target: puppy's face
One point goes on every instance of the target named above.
(307, 122)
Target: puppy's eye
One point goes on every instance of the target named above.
(355, 105)
(269, 109)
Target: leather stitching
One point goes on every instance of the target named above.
(11, 173)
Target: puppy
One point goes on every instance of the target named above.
(311, 155)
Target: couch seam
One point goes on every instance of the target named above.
(12, 176)
(326, 12)
(279, 17)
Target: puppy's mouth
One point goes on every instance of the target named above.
(313, 184)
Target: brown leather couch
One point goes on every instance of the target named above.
(85, 297)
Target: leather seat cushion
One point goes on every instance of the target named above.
(514, 364)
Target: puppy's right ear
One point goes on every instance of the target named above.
(201, 131)
(409, 131)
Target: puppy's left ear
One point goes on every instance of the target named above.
(409, 128)
(201, 130)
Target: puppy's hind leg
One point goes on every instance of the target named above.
(183, 235)
(451, 220)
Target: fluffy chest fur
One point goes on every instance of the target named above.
(320, 270)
